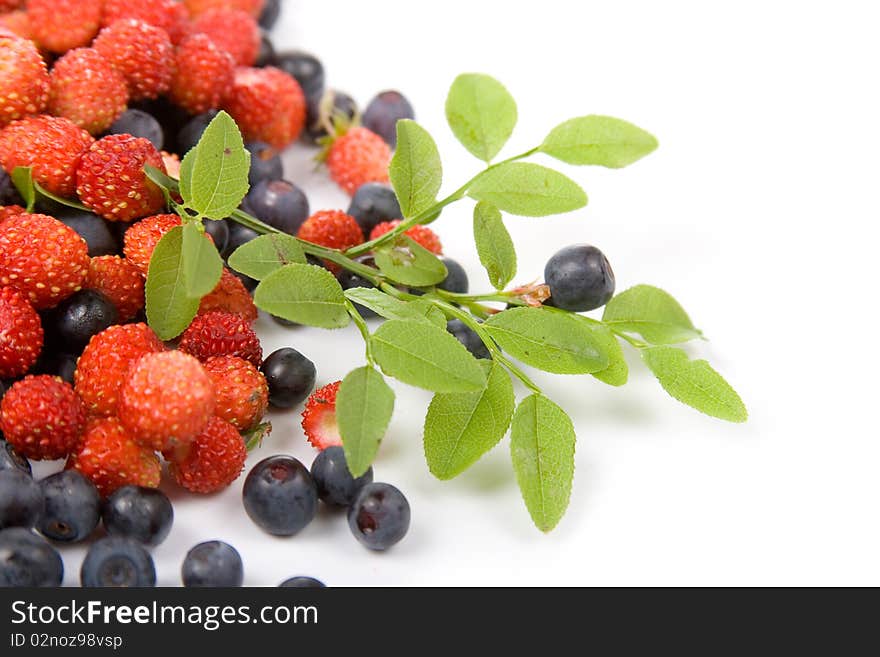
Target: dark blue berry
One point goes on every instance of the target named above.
(191, 132)
(266, 55)
(306, 69)
(238, 235)
(279, 203)
(21, 500)
(117, 561)
(269, 15)
(302, 582)
(372, 204)
(75, 320)
(349, 280)
(213, 563)
(383, 113)
(140, 513)
(219, 232)
(27, 559)
(8, 193)
(65, 367)
(170, 116)
(379, 516)
(283, 322)
(468, 337)
(98, 234)
(290, 377)
(580, 278)
(12, 460)
(266, 163)
(72, 507)
(138, 123)
(280, 496)
(456, 279)
(334, 480)
(333, 106)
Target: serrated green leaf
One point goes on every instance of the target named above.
(494, 245)
(202, 266)
(461, 427)
(409, 263)
(266, 253)
(161, 179)
(436, 316)
(695, 383)
(388, 307)
(617, 372)
(305, 294)
(23, 179)
(527, 189)
(415, 170)
(542, 442)
(600, 140)
(551, 341)
(214, 174)
(426, 356)
(364, 405)
(652, 313)
(169, 308)
(481, 113)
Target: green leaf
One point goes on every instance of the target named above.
(161, 179)
(427, 357)
(617, 372)
(305, 294)
(461, 427)
(214, 174)
(409, 263)
(549, 340)
(169, 308)
(254, 438)
(266, 253)
(415, 170)
(601, 140)
(481, 113)
(388, 307)
(202, 266)
(23, 179)
(494, 246)
(529, 190)
(695, 383)
(652, 313)
(542, 449)
(364, 405)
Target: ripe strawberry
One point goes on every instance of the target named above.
(203, 74)
(333, 229)
(111, 459)
(221, 334)
(10, 5)
(359, 156)
(105, 362)
(421, 234)
(42, 258)
(118, 280)
(24, 80)
(141, 238)
(230, 296)
(236, 32)
(51, 145)
(62, 25)
(268, 105)
(142, 53)
(42, 417)
(212, 461)
(111, 182)
(21, 334)
(169, 15)
(198, 7)
(17, 24)
(87, 90)
(11, 211)
(242, 391)
(319, 417)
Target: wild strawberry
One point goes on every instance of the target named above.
(24, 80)
(42, 417)
(356, 157)
(52, 146)
(118, 280)
(212, 461)
(87, 90)
(236, 32)
(42, 258)
(331, 228)
(111, 182)
(230, 296)
(221, 334)
(268, 105)
(198, 7)
(142, 237)
(16, 24)
(242, 392)
(421, 234)
(21, 334)
(11, 211)
(319, 417)
(105, 362)
(203, 74)
(142, 53)
(166, 400)
(169, 15)
(10, 5)
(62, 25)
(111, 459)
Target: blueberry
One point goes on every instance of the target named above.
(97, 232)
(27, 559)
(75, 320)
(468, 337)
(266, 54)
(336, 485)
(280, 496)
(306, 69)
(213, 563)
(65, 367)
(279, 203)
(349, 280)
(456, 279)
(191, 132)
(72, 507)
(269, 15)
(580, 278)
(21, 500)
(379, 516)
(333, 106)
(8, 193)
(290, 376)
(383, 113)
(265, 163)
(238, 235)
(170, 116)
(372, 204)
(117, 561)
(302, 582)
(140, 513)
(219, 232)
(12, 460)
(139, 124)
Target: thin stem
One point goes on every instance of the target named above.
(464, 299)
(363, 328)
(638, 344)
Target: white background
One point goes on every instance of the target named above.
(758, 212)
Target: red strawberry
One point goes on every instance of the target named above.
(359, 156)
(111, 459)
(169, 15)
(111, 182)
(42, 258)
(198, 7)
(21, 334)
(319, 417)
(10, 5)
(230, 296)
(142, 53)
(87, 90)
(331, 228)
(16, 24)
(24, 80)
(221, 334)
(268, 105)
(118, 280)
(236, 32)
(51, 145)
(42, 417)
(212, 461)
(203, 74)
(242, 392)
(61, 25)
(105, 362)
(421, 234)
(11, 211)
(141, 238)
